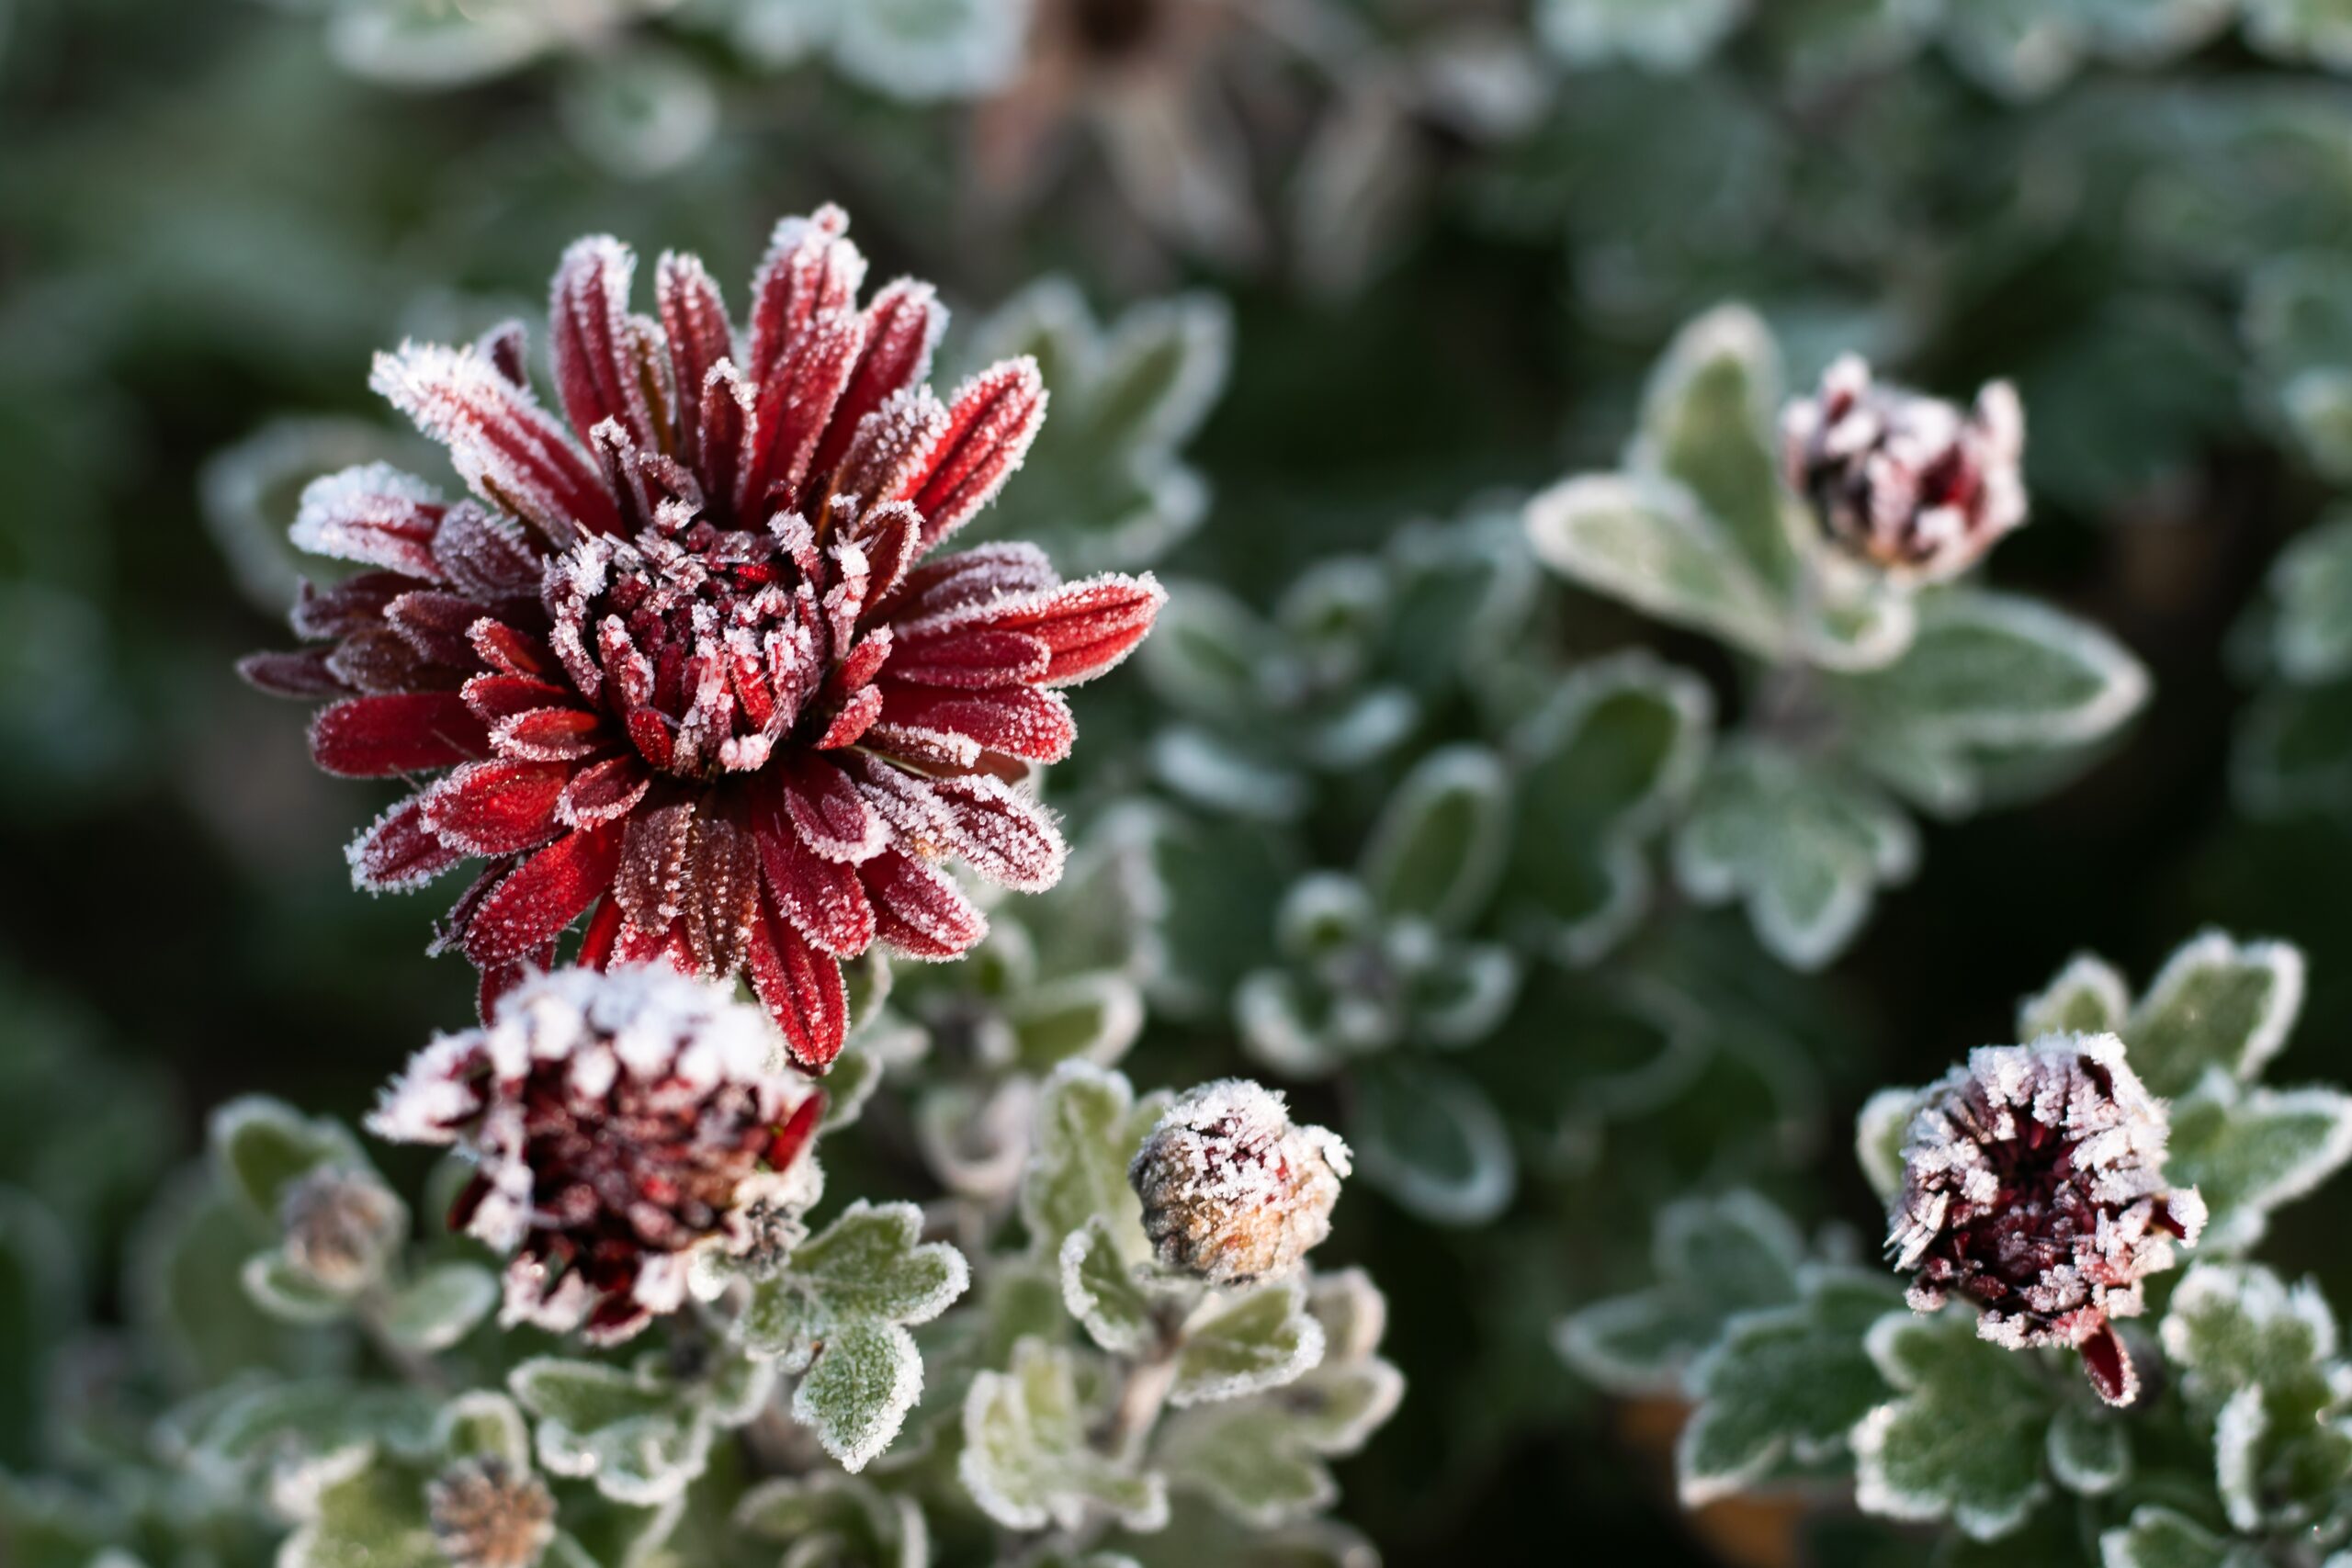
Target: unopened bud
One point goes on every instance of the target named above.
(340, 1227)
(1231, 1189)
(487, 1514)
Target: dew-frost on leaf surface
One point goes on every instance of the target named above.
(1715, 1258)
(1707, 424)
(1261, 1339)
(2217, 1003)
(1103, 1290)
(2087, 997)
(1429, 1138)
(838, 1315)
(2311, 640)
(2248, 1150)
(828, 1517)
(633, 1433)
(1963, 1439)
(1027, 1461)
(1439, 841)
(1090, 1124)
(2158, 1536)
(1647, 541)
(1783, 1386)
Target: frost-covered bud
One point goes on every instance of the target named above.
(487, 1514)
(1904, 481)
(624, 1124)
(2034, 1186)
(1231, 1189)
(340, 1227)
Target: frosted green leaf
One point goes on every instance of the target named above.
(921, 50)
(1707, 424)
(2090, 1451)
(440, 1305)
(2248, 1150)
(1026, 1461)
(1783, 1386)
(1964, 1438)
(2217, 1003)
(1657, 35)
(184, 1280)
(373, 1519)
(2159, 1538)
(482, 1423)
(2317, 31)
(1206, 652)
(838, 1314)
(856, 1073)
(284, 1292)
(1095, 1016)
(1263, 1461)
(1803, 847)
(262, 1146)
(303, 1423)
(2231, 1326)
(1601, 768)
(1101, 1290)
(2295, 751)
(1431, 1139)
(1646, 541)
(2297, 325)
(627, 1431)
(1438, 844)
(1714, 1258)
(1826, 42)
(1261, 1339)
(1878, 1133)
(831, 1520)
(2312, 580)
(2089, 996)
(1089, 1126)
(639, 110)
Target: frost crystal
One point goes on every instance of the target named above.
(1231, 1189)
(1907, 482)
(623, 1122)
(681, 664)
(486, 1514)
(2034, 1186)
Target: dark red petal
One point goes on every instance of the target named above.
(653, 862)
(510, 651)
(826, 810)
(798, 1130)
(888, 447)
(1089, 625)
(994, 417)
(595, 344)
(919, 912)
(722, 892)
(849, 725)
(547, 893)
(353, 604)
(726, 404)
(503, 445)
(971, 659)
(2110, 1365)
(602, 790)
(301, 674)
(500, 697)
(486, 557)
(603, 930)
(796, 403)
(902, 326)
(810, 268)
(1004, 834)
(497, 982)
(549, 735)
(803, 992)
(399, 852)
(378, 658)
(984, 575)
(437, 625)
(1020, 721)
(497, 808)
(891, 535)
(861, 663)
(694, 320)
(823, 898)
(375, 515)
(374, 737)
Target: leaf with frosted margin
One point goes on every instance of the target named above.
(1242, 1344)
(1803, 847)
(1997, 671)
(1647, 542)
(440, 1305)
(2089, 1451)
(831, 1520)
(1103, 1292)
(1089, 1126)
(1708, 424)
(1095, 1016)
(2248, 1150)
(290, 1426)
(1714, 1258)
(1600, 767)
(2089, 996)
(1880, 1130)
(1438, 844)
(2217, 1003)
(2294, 756)
(262, 1146)
(1431, 1139)
(1824, 43)
(1964, 1438)
(627, 1431)
(2159, 1538)
(2312, 580)
(1208, 653)
(1026, 1461)
(286, 1293)
(2317, 31)
(838, 1315)
(2234, 1325)
(1783, 1386)
(1263, 1461)
(1668, 36)
(184, 1278)
(374, 1518)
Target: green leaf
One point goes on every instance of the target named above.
(1803, 847)
(1431, 1139)
(184, 1277)
(286, 1425)
(263, 1146)
(2233, 1327)
(376, 1518)
(1965, 1438)
(2090, 1451)
(831, 1520)
(2311, 579)
(1089, 1126)
(1207, 652)
(1715, 1258)
(290, 1293)
(2089, 996)
(483, 1424)
(38, 1293)
(2317, 31)
(1783, 1386)
(1095, 1016)
(1261, 1339)
(1601, 767)
(2258, 1359)
(1658, 35)
(1880, 1130)
(1026, 1461)
(1101, 1289)
(1438, 844)
(838, 1314)
(440, 1305)
(2159, 1538)
(1647, 542)
(2217, 1003)
(627, 1431)
(2247, 1151)
(2295, 751)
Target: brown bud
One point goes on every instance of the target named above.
(340, 1226)
(487, 1514)
(1231, 1189)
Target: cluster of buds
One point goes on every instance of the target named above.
(1232, 1190)
(624, 1124)
(484, 1513)
(1906, 482)
(2034, 1187)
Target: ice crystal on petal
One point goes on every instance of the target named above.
(1231, 1189)
(2034, 1187)
(681, 663)
(1907, 482)
(623, 1122)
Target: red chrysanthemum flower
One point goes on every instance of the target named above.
(620, 1123)
(685, 663)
